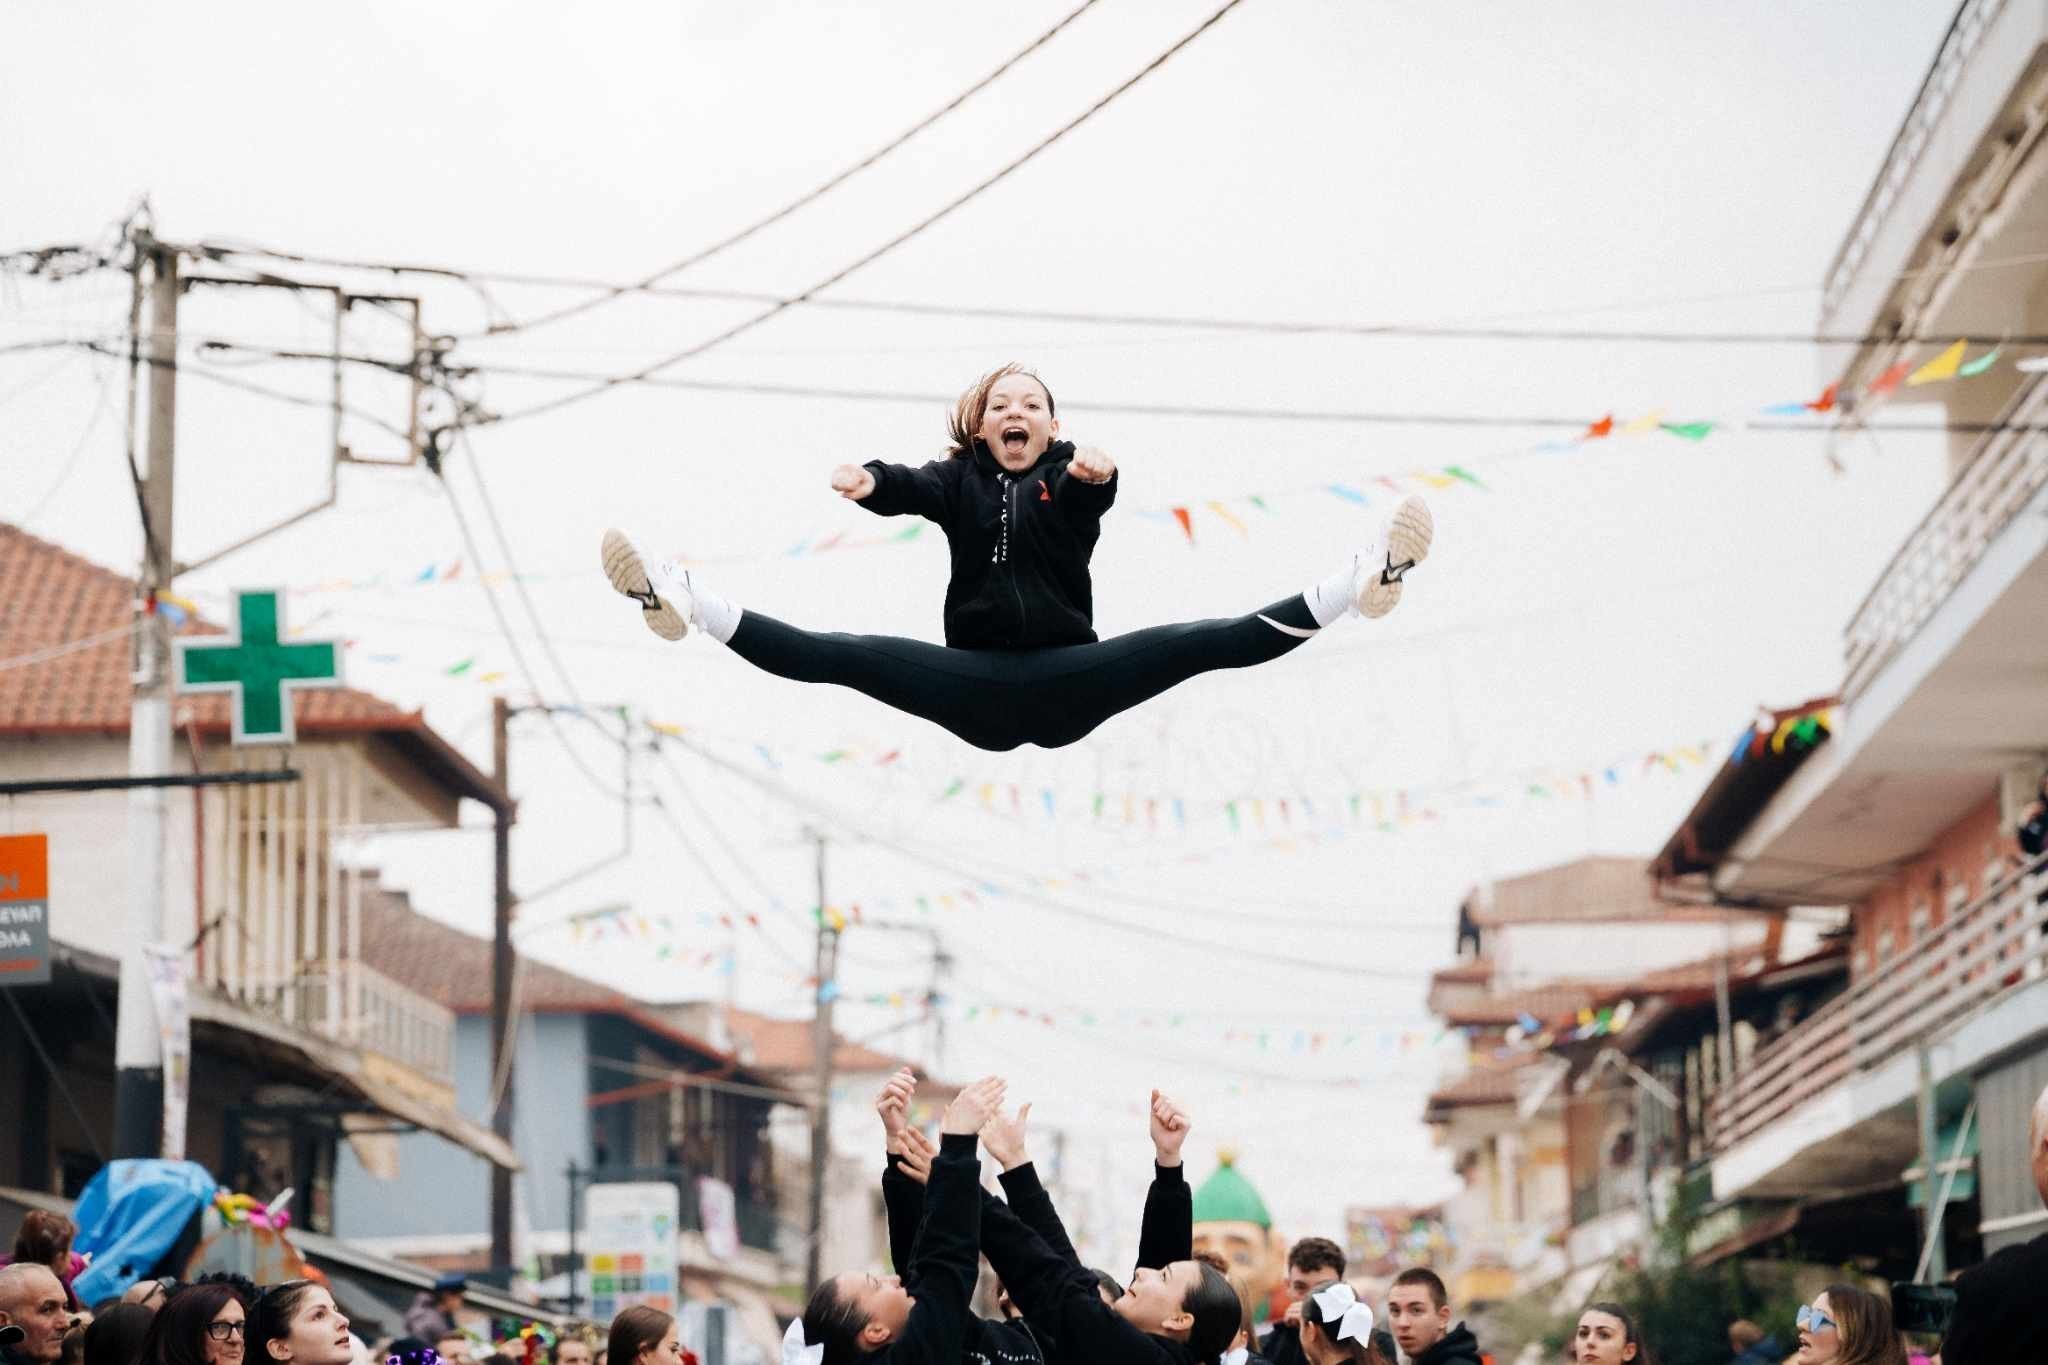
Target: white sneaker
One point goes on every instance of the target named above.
(666, 610)
(1403, 542)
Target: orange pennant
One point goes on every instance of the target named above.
(1603, 427)
(1187, 524)
(1889, 380)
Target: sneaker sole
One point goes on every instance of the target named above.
(1409, 533)
(628, 574)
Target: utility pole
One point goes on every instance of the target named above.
(821, 1061)
(138, 1047)
(504, 1049)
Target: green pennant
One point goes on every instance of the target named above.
(1980, 364)
(1460, 472)
(912, 532)
(1690, 431)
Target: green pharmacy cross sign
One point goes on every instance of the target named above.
(257, 668)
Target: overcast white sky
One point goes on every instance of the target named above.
(1663, 165)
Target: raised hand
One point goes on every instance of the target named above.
(1092, 464)
(1169, 1129)
(1004, 1137)
(973, 1106)
(852, 482)
(917, 1155)
(892, 1104)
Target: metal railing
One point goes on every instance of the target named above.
(360, 1007)
(1995, 943)
(2009, 466)
(1973, 20)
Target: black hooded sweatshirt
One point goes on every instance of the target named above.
(945, 1264)
(1457, 1347)
(1165, 1235)
(1020, 542)
(1050, 1287)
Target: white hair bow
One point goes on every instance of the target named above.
(797, 1351)
(1345, 1316)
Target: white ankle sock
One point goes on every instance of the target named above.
(716, 616)
(1329, 600)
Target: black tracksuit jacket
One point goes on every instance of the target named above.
(1020, 542)
(946, 1262)
(1165, 1235)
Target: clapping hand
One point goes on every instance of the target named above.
(1004, 1137)
(973, 1106)
(893, 1105)
(1169, 1129)
(917, 1153)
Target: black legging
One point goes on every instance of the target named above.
(1001, 698)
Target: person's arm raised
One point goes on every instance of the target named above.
(949, 1244)
(1167, 1233)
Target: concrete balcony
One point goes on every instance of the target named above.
(1944, 695)
(1941, 192)
(1829, 1107)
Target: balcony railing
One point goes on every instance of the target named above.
(1991, 945)
(1965, 33)
(361, 1007)
(2008, 467)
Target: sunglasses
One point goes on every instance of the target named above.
(1813, 1320)
(222, 1331)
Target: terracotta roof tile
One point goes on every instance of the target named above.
(1547, 1003)
(453, 968)
(56, 601)
(784, 1046)
(1491, 1084)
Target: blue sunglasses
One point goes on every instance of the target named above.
(1813, 1320)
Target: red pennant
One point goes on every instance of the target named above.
(1187, 523)
(1824, 403)
(1603, 427)
(1890, 379)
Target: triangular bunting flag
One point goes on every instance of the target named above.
(1690, 431)
(1889, 380)
(1943, 366)
(1980, 364)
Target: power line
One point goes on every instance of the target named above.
(1326, 417)
(1149, 932)
(877, 253)
(1488, 328)
(512, 640)
(833, 182)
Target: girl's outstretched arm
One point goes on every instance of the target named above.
(1086, 487)
(894, 490)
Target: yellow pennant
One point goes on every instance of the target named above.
(1943, 366)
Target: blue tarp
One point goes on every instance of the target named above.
(130, 1216)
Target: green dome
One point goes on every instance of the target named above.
(1227, 1197)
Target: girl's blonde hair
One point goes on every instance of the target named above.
(973, 406)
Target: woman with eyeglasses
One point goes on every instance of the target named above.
(201, 1324)
(1848, 1326)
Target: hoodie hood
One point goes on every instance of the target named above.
(1458, 1347)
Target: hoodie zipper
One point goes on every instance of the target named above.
(1010, 511)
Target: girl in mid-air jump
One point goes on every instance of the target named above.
(1021, 510)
